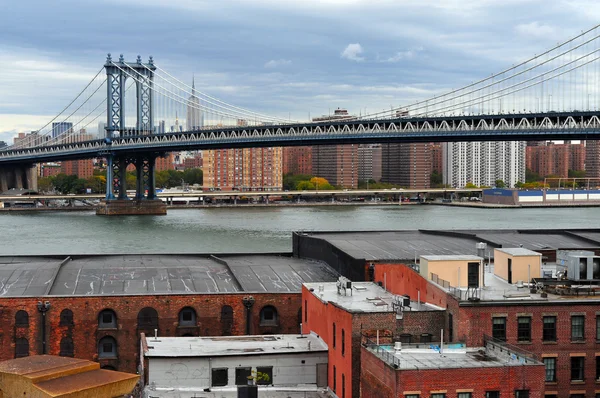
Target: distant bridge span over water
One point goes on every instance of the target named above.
(552, 96)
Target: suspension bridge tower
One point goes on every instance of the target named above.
(145, 202)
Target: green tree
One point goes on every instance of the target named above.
(305, 186)
(531, 176)
(193, 176)
(499, 184)
(64, 184)
(576, 173)
(436, 179)
(45, 184)
(470, 185)
(290, 181)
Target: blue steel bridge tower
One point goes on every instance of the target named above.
(117, 74)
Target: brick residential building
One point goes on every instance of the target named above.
(297, 160)
(338, 164)
(49, 169)
(248, 169)
(83, 168)
(555, 159)
(164, 163)
(437, 163)
(407, 165)
(369, 162)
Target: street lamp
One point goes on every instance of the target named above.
(43, 308)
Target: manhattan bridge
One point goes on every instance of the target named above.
(145, 112)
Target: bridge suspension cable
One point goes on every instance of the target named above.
(484, 90)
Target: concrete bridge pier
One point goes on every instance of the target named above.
(142, 203)
(18, 177)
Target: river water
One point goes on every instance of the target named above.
(218, 230)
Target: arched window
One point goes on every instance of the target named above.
(227, 320)
(187, 317)
(66, 347)
(21, 318)
(21, 348)
(66, 317)
(107, 319)
(148, 318)
(268, 316)
(107, 347)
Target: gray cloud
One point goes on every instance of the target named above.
(242, 51)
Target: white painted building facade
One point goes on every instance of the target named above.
(482, 163)
(190, 364)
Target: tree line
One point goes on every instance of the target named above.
(66, 184)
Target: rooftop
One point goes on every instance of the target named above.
(233, 345)
(465, 257)
(453, 356)
(518, 251)
(363, 297)
(304, 391)
(156, 274)
(406, 245)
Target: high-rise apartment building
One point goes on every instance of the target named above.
(297, 160)
(83, 168)
(164, 163)
(248, 169)
(592, 159)
(407, 165)
(195, 117)
(369, 162)
(482, 163)
(555, 159)
(437, 163)
(60, 128)
(338, 164)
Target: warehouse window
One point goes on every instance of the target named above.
(187, 317)
(334, 333)
(241, 375)
(21, 318)
(148, 318)
(524, 328)
(268, 316)
(226, 320)
(107, 347)
(66, 317)
(499, 328)
(492, 394)
(107, 319)
(343, 342)
(66, 347)
(550, 364)
(577, 327)
(267, 375)
(220, 377)
(21, 348)
(577, 368)
(521, 393)
(549, 332)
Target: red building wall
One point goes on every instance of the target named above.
(381, 380)
(85, 333)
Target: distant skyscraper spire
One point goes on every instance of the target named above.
(195, 118)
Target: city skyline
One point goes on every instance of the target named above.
(330, 64)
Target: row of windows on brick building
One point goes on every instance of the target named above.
(549, 328)
(577, 368)
(147, 319)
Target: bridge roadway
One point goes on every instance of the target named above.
(226, 194)
(582, 125)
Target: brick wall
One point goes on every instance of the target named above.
(476, 320)
(381, 380)
(85, 333)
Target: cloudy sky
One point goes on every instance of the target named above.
(281, 57)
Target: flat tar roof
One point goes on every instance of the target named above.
(363, 297)
(157, 274)
(451, 358)
(170, 347)
(406, 245)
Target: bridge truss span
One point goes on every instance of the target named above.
(534, 126)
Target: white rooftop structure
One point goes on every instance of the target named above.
(233, 345)
(518, 251)
(362, 297)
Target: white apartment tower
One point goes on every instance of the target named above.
(482, 163)
(195, 118)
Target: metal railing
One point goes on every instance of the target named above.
(502, 348)
(443, 283)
